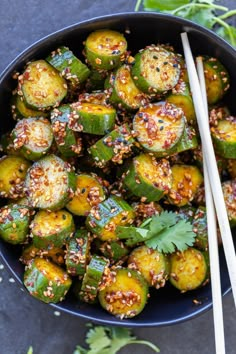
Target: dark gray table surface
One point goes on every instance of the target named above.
(25, 321)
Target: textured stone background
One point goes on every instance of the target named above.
(25, 321)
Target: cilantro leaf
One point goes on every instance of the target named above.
(165, 232)
(179, 236)
(109, 340)
(98, 339)
(133, 235)
(166, 5)
(162, 221)
(228, 33)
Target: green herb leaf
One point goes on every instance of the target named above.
(162, 221)
(30, 350)
(165, 232)
(133, 235)
(166, 5)
(180, 236)
(228, 33)
(109, 340)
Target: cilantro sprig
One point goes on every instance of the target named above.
(203, 12)
(109, 340)
(165, 232)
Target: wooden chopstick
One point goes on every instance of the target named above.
(211, 165)
(212, 238)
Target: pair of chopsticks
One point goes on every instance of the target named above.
(214, 196)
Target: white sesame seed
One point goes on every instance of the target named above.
(11, 280)
(1, 266)
(57, 313)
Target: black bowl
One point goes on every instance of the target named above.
(166, 306)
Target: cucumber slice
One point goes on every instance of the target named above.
(92, 118)
(55, 255)
(159, 127)
(68, 142)
(185, 184)
(96, 80)
(70, 67)
(153, 265)
(217, 79)
(89, 192)
(77, 253)
(105, 49)
(51, 229)
(50, 183)
(200, 228)
(114, 146)
(41, 85)
(115, 251)
(33, 137)
(93, 279)
(13, 170)
(181, 97)
(97, 97)
(155, 70)
(229, 191)
(46, 281)
(123, 91)
(188, 140)
(126, 295)
(20, 109)
(147, 177)
(224, 137)
(14, 223)
(107, 215)
(218, 113)
(188, 269)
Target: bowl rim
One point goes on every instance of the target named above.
(70, 28)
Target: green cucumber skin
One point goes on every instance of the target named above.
(188, 141)
(142, 189)
(114, 250)
(139, 80)
(223, 148)
(37, 284)
(224, 76)
(103, 153)
(24, 112)
(93, 123)
(15, 229)
(54, 240)
(200, 227)
(107, 62)
(70, 136)
(229, 191)
(92, 279)
(104, 209)
(187, 106)
(115, 99)
(63, 59)
(33, 155)
(77, 268)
